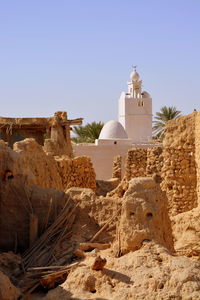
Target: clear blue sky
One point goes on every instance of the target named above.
(76, 55)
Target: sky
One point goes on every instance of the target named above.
(77, 55)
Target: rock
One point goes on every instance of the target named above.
(98, 264)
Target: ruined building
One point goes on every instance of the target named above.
(53, 133)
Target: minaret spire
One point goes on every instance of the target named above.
(135, 68)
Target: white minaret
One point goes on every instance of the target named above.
(135, 111)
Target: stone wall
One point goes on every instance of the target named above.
(136, 163)
(140, 162)
(179, 168)
(117, 167)
(178, 164)
(76, 172)
(143, 162)
(154, 161)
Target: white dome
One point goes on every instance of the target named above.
(113, 130)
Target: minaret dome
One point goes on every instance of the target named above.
(135, 77)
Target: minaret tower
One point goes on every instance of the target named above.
(135, 110)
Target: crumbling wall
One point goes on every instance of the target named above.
(117, 167)
(32, 183)
(139, 163)
(59, 173)
(136, 163)
(76, 172)
(197, 152)
(179, 167)
(59, 142)
(11, 165)
(20, 197)
(44, 168)
(154, 161)
(53, 133)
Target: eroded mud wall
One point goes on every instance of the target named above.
(197, 152)
(179, 168)
(33, 183)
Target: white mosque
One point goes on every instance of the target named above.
(133, 129)
(135, 117)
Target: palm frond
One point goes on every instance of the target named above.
(87, 133)
(162, 117)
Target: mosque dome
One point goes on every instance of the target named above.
(134, 76)
(113, 130)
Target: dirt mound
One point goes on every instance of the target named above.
(149, 273)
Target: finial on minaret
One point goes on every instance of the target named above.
(135, 77)
(134, 67)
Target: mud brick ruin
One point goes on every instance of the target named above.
(53, 133)
(57, 222)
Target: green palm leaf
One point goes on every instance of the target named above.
(88, 133)
(161, 119)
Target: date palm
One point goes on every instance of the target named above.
(88, 133)
(161, 119)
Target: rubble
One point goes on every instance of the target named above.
(98, 263)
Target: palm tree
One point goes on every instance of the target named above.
(161, 119)
(88, 133)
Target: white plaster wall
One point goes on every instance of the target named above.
(137, 120)
(124, 142)
(102, 157)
